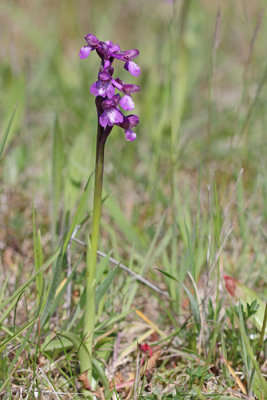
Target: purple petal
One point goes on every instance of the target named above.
(110, 91)
(126, 55)
(117, 83)
(107, 64)
(130, 121)
(115, 47)
(91, 40)
(131, 54)
(104, 49)
(128, 88)
(94, 89)
(112, 47)
(102, 88)
(104, 76)
(130, 135)
(116, 98)
(109, 103)
(119, 55)
(127, 103)
(110, 117)
(120, 81)
(132, 67)
(115, 116)
(84, 52)
(104, 119)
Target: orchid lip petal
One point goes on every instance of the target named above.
(115, 116)
(84, 52)
(127, 103)
(111, 116)
(132, 67)
(132, 120)
(103, 119)
(130, 135)
(129, 121)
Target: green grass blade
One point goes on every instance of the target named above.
(17, 333)
(102, 266)
(77, 215)
(58, 161)
(18, 292)
(131, 235)
(103, 287)
(5, 135)
(192, 300)
(53, 288)
(3, 289)
(62, 291)
(249, 352)
(98, 370)
(190, 250)
(11, 307)
(38, 255)
(148, 259)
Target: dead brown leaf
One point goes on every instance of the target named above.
(152, 361)
(84, 379)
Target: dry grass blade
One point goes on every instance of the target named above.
(236, 378)
(149, 322)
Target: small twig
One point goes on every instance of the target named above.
(10, 351)
(124, 268)
(48, 392)
(50, 384)
(29, 390)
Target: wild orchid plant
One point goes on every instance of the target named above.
(109, 114)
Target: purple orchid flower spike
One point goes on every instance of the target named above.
(113, 97)
(104, 88)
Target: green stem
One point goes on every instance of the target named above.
(85, 353)
(99, 168)
(250, 383)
